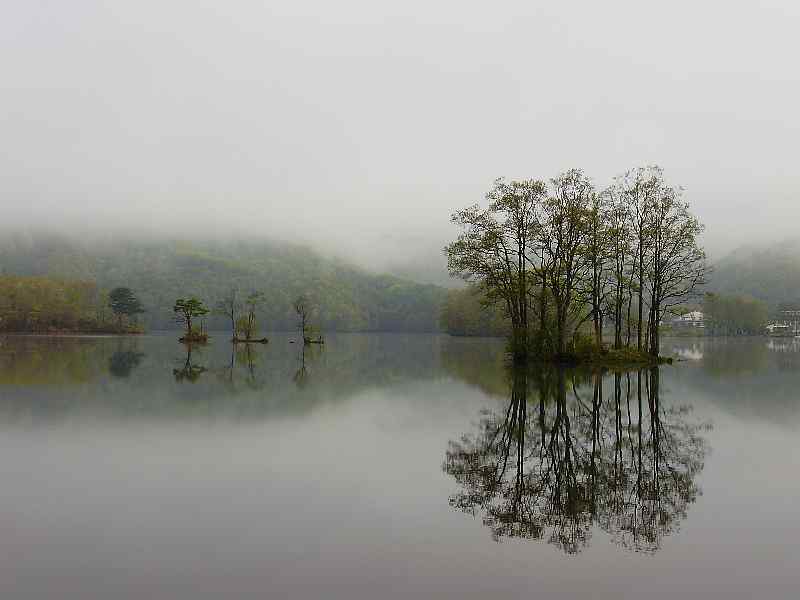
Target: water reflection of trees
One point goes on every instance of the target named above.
(189, 371)
(123, 362)
(307, 357)
(567, 454)
(242, 357)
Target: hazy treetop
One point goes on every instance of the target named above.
(362, 126)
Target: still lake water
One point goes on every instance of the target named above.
(394, 466)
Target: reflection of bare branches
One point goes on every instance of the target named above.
(247, 356)
(597, 463)
(307, 355)
(301, 375)
(659, 485)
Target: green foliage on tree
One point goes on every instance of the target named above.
(558, 255)
(252, 304)
(188, 309)
(244, 328)
(124, 304)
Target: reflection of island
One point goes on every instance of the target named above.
(189, 372)
(552, 470)
(122, 362)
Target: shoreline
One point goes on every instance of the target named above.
(71, 333)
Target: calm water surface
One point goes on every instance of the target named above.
(392, 466)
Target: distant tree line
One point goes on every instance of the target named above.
(161, 271)
(466, 312)
(43, 304)
(734, 315)
(558, 255)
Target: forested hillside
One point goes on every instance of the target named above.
(42, 304)
(349, 299)
(769, 273)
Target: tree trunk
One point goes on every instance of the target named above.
(641, 303)
(628, 319)
(618, 317)
(542, 318)
(655, 334)
(655, 340)
(655, 312)
(561, 325)
(598, 329)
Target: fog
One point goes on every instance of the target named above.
(359, 127)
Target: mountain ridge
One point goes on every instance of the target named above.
(160, 270)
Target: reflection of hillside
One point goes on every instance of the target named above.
(479, 362)
(734, 357)
(564, 457)
(35, 360)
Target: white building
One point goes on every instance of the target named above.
(694, 318)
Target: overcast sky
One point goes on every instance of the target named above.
(362, 125)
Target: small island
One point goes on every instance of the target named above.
(310, 334)
(187, 312)
(561, 259)
(244, 326)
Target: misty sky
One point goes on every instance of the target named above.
(361, 126)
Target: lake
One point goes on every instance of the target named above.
(394, 466)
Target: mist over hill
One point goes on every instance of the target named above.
(768, 272)
(161, 270)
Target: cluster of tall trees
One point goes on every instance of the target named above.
(560, 254)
